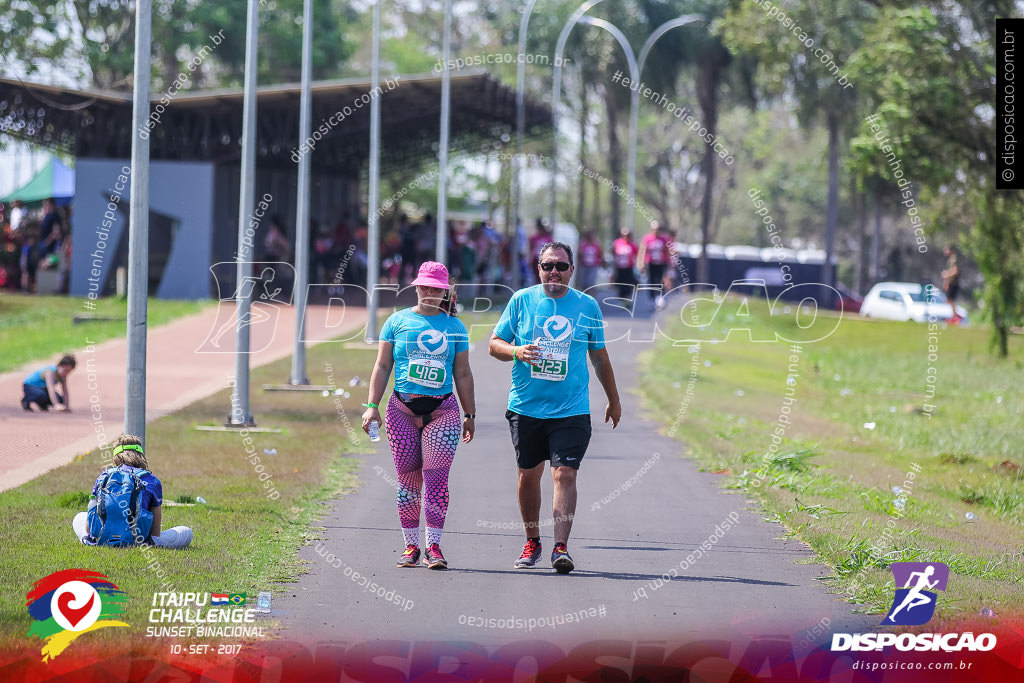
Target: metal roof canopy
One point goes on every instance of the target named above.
(207, 125)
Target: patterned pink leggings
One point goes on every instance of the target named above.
(423, 456)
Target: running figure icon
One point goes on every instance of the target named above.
(915, 598)
(263, 289)
(914, 603)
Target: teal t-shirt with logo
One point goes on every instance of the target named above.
(566, 329)
(38, 379)
(425, 348)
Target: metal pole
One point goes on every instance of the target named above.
(556, 95)
(299, 375)
(634, 109)
(634, 100)
(520, 128)
(240, 413)
(138, 231)
(446, 103)
(372, 228)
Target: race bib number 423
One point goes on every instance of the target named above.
(428, 372)
(553, 364)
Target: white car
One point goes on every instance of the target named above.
(909, 301)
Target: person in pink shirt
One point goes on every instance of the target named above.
(537, 242)
(624, 251)
(651, 260)
(591, 258)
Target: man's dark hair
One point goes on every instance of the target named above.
(557, 245)
(68, 360)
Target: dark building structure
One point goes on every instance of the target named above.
(195, 151)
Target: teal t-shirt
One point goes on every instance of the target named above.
(425, 348)
(37, 379)
(566, 329)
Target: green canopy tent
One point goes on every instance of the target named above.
(53, 180)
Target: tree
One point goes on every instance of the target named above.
(716, 68)
(96, 43)
(928, 68)
(804, 55)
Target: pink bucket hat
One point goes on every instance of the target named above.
(432, 274)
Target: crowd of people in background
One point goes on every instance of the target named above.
(38, 238)
(34, 238)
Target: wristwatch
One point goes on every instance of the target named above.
(470, 416)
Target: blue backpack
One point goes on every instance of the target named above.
(116, 519)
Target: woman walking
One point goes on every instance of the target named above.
(428, 348)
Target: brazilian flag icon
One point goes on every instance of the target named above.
(237, 599)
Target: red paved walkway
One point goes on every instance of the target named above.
(183, 367)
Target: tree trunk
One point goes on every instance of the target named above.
(581, 220)
(708, 76)
(614, 159)
(832, 213)
(862, 242)
(876, 240)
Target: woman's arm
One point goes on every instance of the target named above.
(463, 377)
(67, 394)
(379, 382)
(49, 376)
(158, 513)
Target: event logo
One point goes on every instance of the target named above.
(914, 604)
(557, 327)
(432, 342)
(68, 603)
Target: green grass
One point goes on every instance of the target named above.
(244, 542)
(829, 479)
(39, 328)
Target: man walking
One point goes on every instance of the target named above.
(548, 331)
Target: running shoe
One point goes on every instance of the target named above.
(560, 559)
(411, 556)
(530, 556)
(433, 558)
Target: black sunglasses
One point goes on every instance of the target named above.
(562, 266)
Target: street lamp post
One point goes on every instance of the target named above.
(556, 95)
(520, 127)
(299, 376)
(636, 67)
(138, 232)
(446, 117)
(240, 412)
(634, 101)
(634, 109)
(372, 216)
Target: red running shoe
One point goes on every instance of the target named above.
(530, 556)
(433, 558)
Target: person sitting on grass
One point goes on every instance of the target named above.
(38, 387)
(109, 522)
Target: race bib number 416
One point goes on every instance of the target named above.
(428, 372)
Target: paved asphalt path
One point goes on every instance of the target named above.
(750, 583)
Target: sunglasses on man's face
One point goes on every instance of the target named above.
(562, 266)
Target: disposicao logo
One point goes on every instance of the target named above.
(557, 327)
(68, 603)
(913, 605)
(432, 342)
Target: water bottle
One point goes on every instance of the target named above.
(374, 431)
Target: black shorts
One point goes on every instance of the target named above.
(562, 440)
